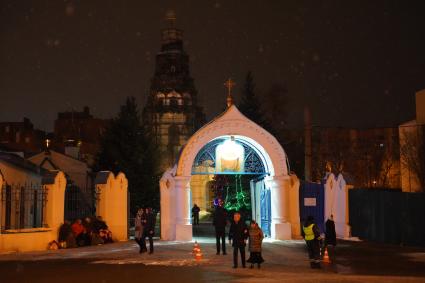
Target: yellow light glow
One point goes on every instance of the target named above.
(230, 150)
(229, 156)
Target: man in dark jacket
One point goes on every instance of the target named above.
(220, 222)
(311, 235)
(238, 234)
(149, 229)
(195, 214)
(330, 237)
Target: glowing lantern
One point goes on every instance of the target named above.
(229, 156)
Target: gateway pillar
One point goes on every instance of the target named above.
(182, 193)
(280, 227)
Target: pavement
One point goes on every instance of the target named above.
(285, 261)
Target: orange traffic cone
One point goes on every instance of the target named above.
(197, 251)
(198, 255)
(326, 258)
(195, 248)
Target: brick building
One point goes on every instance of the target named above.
(21, 137)
(78, 134)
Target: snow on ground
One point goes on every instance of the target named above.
(285, 261)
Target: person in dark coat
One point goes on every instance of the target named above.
(195, 214)
(330, 237)
(80, 233)
(238, 234)
(64, 231)
(220, 222)
(88, 230)
(143, 221)
(99, 224)
(255, 241)
(149, 229)
(311, 235)
(66, 237)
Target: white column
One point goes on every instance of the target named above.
(281, 227)
(330, 196)
(253, 198)
(182, 193)
(294, 206)
(118, 223)
(167, 189)
(112, 204)
(55, 201)
(341, 213)
(104, 191)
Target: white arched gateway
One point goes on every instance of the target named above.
(231, 125)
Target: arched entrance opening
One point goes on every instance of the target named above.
(231, 135)
(232, 170)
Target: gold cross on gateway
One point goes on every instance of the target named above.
(229, 84)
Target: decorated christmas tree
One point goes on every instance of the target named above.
(231, 192)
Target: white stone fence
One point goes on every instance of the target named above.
(111, 204)
(336, 203)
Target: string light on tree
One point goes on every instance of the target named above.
(239, 200)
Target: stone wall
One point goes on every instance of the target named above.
(112, 203)
(336, 203)
(112, 206)
(38, 238)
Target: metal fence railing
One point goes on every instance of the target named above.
(79, 202)
(22, 206)
(388, 216)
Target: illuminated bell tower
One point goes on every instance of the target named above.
(172, 114)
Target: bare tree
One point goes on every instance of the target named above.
(412, 152)
(370, 161)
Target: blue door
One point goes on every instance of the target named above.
(266, 214)
(312, 202)
(261, 205)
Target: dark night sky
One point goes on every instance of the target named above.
(356, 64)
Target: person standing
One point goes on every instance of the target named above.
(330, 237)
(238, 234)
(255, 241)
(311, 235)
(195, 214)
(138, 230)
(149, 229)
(220, 222)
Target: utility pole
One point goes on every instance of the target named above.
(307, 144)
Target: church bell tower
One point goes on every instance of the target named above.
(172, 113)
